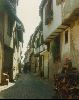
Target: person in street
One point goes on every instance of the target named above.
(25, 68)
(28, 67)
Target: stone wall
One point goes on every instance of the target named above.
(15, 63)
(7, 39)
(75, 43)
(65, 47)
(46, 66)
(33, 61)
(0, 61)
(54, 68)
(1, 42)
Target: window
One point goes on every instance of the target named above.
(48, 12)
(66, 36)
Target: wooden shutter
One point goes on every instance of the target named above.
(48, 11)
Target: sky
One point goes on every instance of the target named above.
(28, 12)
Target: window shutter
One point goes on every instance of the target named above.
(59, 1)
(48, 12)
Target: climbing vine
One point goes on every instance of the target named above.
(54, 50)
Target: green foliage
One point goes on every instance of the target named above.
(51, 14)
(49, 17)
(54, 49)
(2, 5)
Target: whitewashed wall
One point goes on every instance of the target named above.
(56, 22)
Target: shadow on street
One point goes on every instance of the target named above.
(28, 87)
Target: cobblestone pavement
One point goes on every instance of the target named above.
(28, 87)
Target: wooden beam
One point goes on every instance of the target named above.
(61, 28)
(52, 35)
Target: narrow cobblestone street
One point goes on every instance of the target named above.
(28, 87)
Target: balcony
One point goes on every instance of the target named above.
(40, 49)
(36, 51)
(70, 9)
(43, 48)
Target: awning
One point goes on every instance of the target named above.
(12, 10)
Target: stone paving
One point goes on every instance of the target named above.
(28, 87)
(2, 88)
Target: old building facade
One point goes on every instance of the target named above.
(8, 30)
(41, 53)
(60, 30)
(37, 53)
(60, 24)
